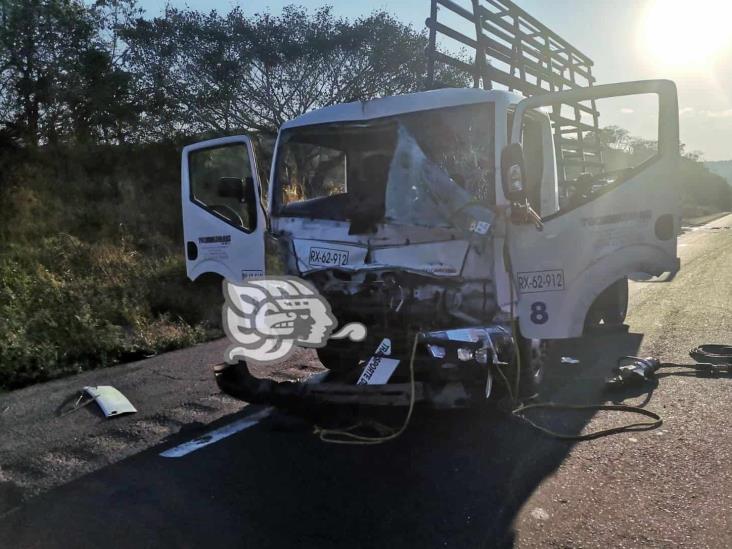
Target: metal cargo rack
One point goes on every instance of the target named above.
(511, 48)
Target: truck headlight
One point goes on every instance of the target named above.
(464, 354)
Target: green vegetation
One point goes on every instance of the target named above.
(91, 269)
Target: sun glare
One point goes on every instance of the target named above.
(685, 34)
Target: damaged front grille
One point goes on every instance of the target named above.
(412, 299)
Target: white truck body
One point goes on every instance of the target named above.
(628, 226)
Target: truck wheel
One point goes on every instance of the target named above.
(338, 357)
(611, 306)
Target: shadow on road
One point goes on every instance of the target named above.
(453, 479)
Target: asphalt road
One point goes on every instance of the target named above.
(459, 479)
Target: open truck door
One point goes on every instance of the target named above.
(223, 218)
(619, 225)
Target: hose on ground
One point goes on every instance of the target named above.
(348, 434)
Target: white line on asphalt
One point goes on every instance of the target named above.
(216, 435)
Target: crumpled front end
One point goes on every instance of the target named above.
(468, 357)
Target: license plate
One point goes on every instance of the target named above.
(325, 257)
(540, 281)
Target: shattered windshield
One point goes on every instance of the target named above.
(420, 168)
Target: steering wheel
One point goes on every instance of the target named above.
(228, 212)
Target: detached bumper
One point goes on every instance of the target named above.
(237, 381)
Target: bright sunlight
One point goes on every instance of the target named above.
(684, 35)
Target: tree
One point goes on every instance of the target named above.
(214, 72)
(699, 186)
(104, 101)
(611, 137)
(39, 41)
(100, 73)
(60, 76)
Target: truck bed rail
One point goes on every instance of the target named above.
(510, 48)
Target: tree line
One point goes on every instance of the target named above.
(702, 190)
(102, 73)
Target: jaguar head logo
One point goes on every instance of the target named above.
(267, 318)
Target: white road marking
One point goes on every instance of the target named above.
(217, 434)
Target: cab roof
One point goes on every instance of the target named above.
(400, 104)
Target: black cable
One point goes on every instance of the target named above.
(646, 426)
(712, 353)
(711, 360)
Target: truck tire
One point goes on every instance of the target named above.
(339, 356)
(610, 307)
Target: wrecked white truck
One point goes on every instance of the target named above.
(450, 214)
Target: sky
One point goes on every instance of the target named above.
(688, 42)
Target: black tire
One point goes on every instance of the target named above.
(611, 306)
(339, 356)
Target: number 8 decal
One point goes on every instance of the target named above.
(539, 315)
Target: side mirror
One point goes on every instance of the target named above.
(513, 177)
(233, 187)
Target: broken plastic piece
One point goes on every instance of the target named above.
(110, 400)
(379, 368)
(569, 360)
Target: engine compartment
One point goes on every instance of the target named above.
(421, 302)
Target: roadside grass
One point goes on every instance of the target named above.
(91, 264)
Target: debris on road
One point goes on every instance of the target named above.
(711, 360)
(110, 400)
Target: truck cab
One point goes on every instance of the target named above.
(438, 212)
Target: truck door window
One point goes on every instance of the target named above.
(534, 160)
(221, 181)
(533, 146)
(312, 174)
(591, 162)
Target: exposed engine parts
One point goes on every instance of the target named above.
(418, 300)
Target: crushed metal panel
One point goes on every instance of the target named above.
(435, 258)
